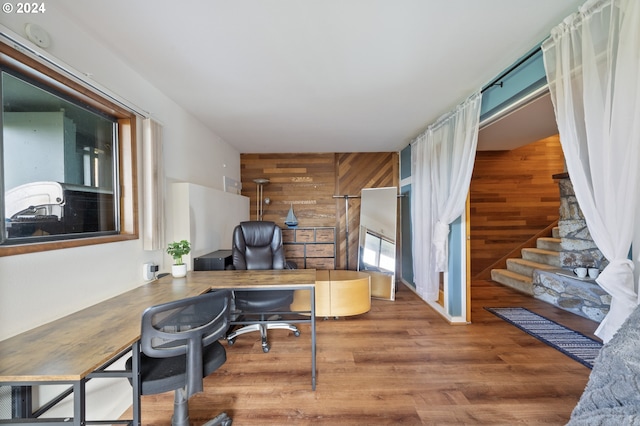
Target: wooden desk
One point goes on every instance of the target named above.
(75, 348)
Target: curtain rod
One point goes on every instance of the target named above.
(496, 81)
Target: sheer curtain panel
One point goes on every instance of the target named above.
(153, 185)
(592, 61)
(442, 163)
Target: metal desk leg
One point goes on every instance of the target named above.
(313, 338)
(135, 382)
(21, 402)
(79, 402)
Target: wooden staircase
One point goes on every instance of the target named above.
(519, 272)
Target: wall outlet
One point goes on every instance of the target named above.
(149, 271)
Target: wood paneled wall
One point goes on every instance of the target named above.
(513, 197)
(355, 171)
(309, 182)
(304, 181)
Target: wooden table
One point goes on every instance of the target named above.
(79, 346)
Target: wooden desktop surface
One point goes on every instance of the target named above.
(70, 348)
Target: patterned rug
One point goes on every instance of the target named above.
(576, 345)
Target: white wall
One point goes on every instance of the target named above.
(40, 287)
(198, 217)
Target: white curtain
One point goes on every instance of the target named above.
(153, 185)
(592, 62)
(441, 168)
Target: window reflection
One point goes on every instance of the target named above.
(58, 162)
(378, 253)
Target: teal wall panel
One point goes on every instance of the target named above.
(456, 281)
(405, 232)
(528, 76)
(405, 162)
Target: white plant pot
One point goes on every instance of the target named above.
(179, 271)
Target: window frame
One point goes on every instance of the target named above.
(127, 160)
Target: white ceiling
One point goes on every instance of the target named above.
(520, 125)
(324, 75)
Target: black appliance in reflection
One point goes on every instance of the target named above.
(50, 208)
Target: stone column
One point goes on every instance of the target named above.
(578, 248)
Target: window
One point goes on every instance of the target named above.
(67, 161)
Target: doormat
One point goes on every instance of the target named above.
(574, 344)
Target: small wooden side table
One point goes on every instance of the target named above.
(339, 293)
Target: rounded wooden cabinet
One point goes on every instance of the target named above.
(338, 293)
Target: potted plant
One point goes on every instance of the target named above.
(176, 250)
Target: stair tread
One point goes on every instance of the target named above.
(551, 239)
(513, 275)
(549, 243)
(541, 251)
(531, 263)
(514, 280)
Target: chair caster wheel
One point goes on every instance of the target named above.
(296, 333)
(221, 419)
(230, 342)
(265, 349)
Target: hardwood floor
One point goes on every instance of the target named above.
(399, 364)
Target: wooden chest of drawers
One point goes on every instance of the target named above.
(310, 248)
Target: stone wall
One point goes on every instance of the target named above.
(561, 287)
(583, 297)
(578, 248)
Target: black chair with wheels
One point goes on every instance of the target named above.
(258, 245)
(179, 347)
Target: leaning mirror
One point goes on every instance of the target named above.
(377, 240)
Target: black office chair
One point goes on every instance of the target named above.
(179, 347)
(258, 245)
